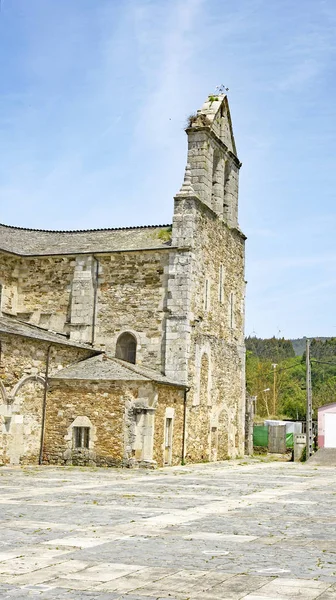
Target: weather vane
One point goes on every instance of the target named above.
(221, 89)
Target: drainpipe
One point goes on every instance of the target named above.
(95, 294)
(186, 390)
(44, 405)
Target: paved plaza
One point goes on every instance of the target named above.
(249, 530)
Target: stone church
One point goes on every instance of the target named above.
(126, 346)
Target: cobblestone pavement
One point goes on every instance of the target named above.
(238, 530)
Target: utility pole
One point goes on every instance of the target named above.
(274, 365)
(309, 410)
(265, 400)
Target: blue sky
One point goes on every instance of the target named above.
(94, 96)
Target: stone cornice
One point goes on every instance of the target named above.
(89, 252)
(212, 213)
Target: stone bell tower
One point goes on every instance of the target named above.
(212, 156)
(206, 288)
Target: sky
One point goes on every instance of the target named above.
(94, 98)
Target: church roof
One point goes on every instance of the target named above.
(40, 242)
(107, 368)
(13, 326)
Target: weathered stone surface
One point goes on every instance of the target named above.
(131, 297)
(206, 297)
(229, 530)
(108, 406)
(22, 377)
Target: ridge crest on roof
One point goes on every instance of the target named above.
(105, 367)
(46, 242)
(83, 230)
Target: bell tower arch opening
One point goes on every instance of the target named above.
(218, 167)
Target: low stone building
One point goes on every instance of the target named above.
(126, 346)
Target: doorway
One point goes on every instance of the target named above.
(168, 441)
(214, 444)
(330, 430)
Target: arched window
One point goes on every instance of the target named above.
(126, 347)
(217, 182)
(227, 197)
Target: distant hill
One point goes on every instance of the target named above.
(277, 349)
(274, 349)
(299, 344)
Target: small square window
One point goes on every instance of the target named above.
(81, 437)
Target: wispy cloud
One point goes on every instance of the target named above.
(299, 75)
(129, 85)
(165, 98)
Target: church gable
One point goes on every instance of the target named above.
(215, 113)
(212, 157)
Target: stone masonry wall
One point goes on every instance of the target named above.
(210, 310)
(213, 311)
(22, 372)
(132, 297)
(169, 397)
(58, 293)
(24, 356)
(217, 331)
(214, 173)
(9, 272)
(103, 404)
(109, 407)
(44, 291)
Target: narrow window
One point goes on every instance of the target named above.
(207, 295)
(126, 348)
(204, 380)
(0, 295)
(232, 310)
(168, 441)
(217, 182)
(81, 437)
(221, 284)
(227, 174)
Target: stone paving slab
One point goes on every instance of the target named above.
(239, 530)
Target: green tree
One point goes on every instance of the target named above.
(290, 384)
(272, 349)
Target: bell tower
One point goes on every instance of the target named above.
(213, 160)
(204, 325)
